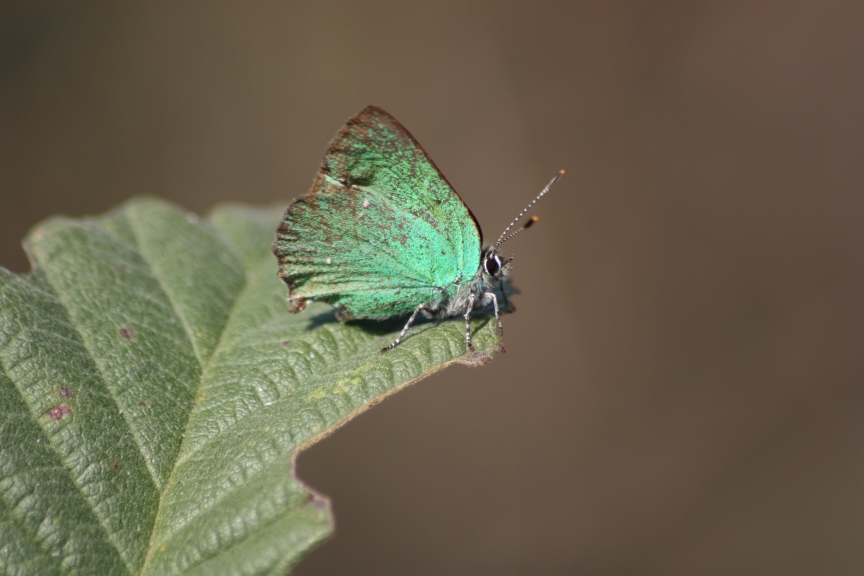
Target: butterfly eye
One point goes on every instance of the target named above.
(492, 264)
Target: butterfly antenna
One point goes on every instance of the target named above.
(525, 226)
(503, 238)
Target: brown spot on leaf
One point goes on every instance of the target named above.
(59, 411)
(285, 343)
(143, 403)
(65, 392)
(116, 465)
(127, 332)
(119, 270)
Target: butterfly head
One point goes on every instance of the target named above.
(494, 267)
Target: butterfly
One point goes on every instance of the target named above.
(383, 234)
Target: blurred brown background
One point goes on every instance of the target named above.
(683, 391)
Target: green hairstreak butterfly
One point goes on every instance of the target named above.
(382, 233)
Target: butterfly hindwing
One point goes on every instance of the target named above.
(381, 231)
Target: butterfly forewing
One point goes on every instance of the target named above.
(381, 231)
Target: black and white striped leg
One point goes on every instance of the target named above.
(404, 330)
(468, 322)
(497, 314)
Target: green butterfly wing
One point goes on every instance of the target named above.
(382, 231)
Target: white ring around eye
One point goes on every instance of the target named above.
(497, 264)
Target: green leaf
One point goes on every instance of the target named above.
(155, 392)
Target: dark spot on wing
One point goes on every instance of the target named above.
(358, 180)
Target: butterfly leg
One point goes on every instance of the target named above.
(491, 296)
(468, 322)
(404, 330)
(497, 313)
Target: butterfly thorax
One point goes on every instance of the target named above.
(490, 271)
